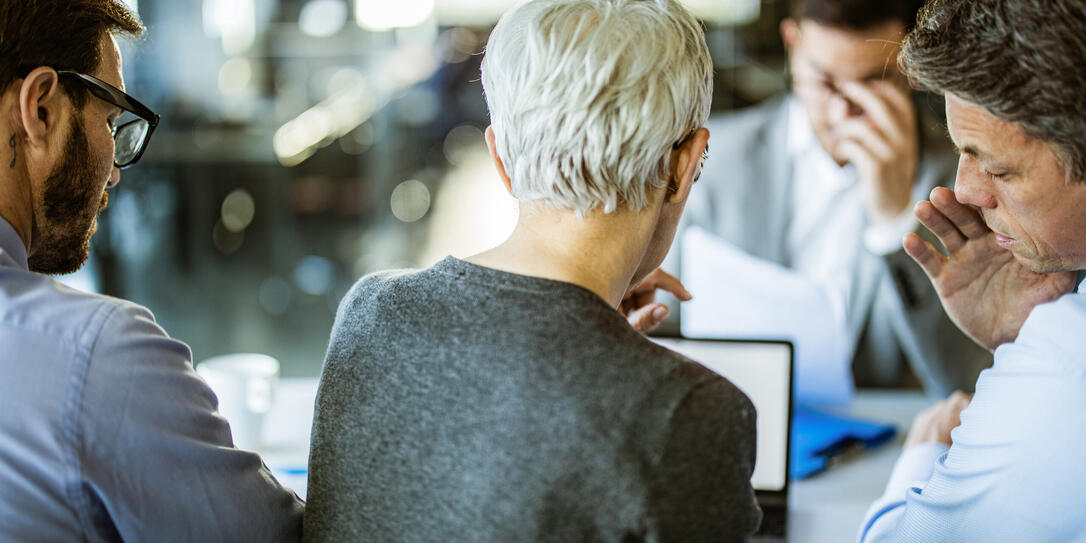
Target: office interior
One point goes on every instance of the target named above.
(307, 143)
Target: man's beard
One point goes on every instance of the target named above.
(69, 205)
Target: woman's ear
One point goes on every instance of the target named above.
(688, 164)
(493, 147)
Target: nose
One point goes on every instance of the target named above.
(971, 187)
(114, 177)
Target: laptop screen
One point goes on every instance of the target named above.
(763, 371)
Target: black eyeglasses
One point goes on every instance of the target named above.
(130, 137)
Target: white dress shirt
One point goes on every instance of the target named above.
(1016, 470)
(829, 225)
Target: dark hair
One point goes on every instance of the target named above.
(61, 34)
(857, 14)
(1021, 60)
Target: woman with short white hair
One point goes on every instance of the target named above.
(506, 397)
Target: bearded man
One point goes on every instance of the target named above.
(107, 433)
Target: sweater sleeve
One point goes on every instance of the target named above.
(701, 487)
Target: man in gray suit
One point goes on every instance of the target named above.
(823, 181)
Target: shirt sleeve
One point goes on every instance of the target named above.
(701, 486)
(155, 459)
(1014, 472)
(912, 470)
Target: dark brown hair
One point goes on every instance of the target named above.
(857, 14)
(1021, 60)
(61, 34)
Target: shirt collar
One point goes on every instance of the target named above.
(800, 134)
(12, 250)
(1082, 282)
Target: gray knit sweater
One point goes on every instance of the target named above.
(461, 403)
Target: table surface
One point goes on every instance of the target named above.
(831, 505)
(826, 507)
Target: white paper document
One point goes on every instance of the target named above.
(737, 296)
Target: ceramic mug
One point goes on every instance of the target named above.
(245, 385)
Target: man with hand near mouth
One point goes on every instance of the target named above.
(1005, 465)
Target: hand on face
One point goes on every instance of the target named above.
(934, 424)
(984, 289)
(639, 307)
(882, 144)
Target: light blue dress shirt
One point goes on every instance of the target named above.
(107, 433)
(1017, 469)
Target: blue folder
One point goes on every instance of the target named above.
(818, 437)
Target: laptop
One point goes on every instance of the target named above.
(763, 370)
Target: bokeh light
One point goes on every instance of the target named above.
(410, 200)
(225, 240)
(235, 76)
(314, 275)
(461, 43)
(461, 142)
(238, 210)
(322, 18)
(385, 15)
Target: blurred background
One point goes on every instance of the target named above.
(306, 143)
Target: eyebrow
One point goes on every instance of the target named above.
(983, 157)
(974, 152)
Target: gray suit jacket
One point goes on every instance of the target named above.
(745, 197)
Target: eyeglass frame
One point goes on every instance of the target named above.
(121, 99)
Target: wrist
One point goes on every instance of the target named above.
(883, 238)
(930, 438)
(888, 213)
(914, 466)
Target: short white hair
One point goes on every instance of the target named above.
(587, 98)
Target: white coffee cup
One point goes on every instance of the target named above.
(245, 385)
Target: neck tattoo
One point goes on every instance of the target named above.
(12, 144)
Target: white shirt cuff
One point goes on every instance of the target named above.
(913, 468)
(883, 239)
